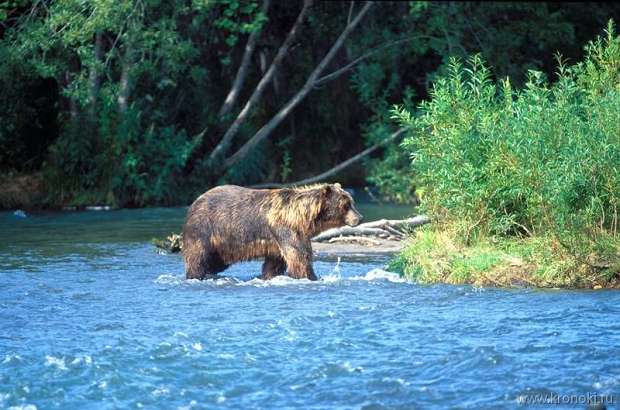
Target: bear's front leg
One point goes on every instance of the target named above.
(298, 257)
(272, 267)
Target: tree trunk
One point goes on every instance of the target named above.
(124, 86)
(336, 73)
(94, 78)
(268, 128)
(322, 176)
(242, 72)
(73, 107)
(222, 147)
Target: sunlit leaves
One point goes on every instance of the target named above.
(540, 160)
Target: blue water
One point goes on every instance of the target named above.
(92, 316)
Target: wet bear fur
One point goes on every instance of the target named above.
(229, 224)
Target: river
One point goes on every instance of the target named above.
(92, 316)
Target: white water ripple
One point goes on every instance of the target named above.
(58, 362)
(374, 275)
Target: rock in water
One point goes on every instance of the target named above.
(20, 214)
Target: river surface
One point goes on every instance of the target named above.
(93, 317)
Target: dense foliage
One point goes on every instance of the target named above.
(118, 102)
(493, 161)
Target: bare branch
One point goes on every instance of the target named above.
(242, 72)
(266, 130)
(351, 6)
(119, 35)
(338, 167)
(224, 144)
(94, 75)
(361, 58)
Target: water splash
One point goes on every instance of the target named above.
(58, 362)
(334, 277)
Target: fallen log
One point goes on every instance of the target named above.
(398, 223)
(394, 231)
(349, 239)
(381, 228)
(349, 230)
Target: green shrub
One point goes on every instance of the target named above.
(392, 175)
(150, 166)
(541, 161)
(118, 164)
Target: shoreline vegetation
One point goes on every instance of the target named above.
(523, 186)
(436, 256)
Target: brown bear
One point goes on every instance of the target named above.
(229, 224)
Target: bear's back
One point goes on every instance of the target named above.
(227, 204)
(227, 197)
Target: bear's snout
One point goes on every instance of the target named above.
(353, 217)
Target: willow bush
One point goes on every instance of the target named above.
(493, 161)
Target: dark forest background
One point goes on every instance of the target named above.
(137, 102)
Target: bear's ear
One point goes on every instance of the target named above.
(337, 185)
(326, 190)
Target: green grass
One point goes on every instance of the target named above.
(436, 255)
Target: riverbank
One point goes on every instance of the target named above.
(433, 256)
(436, 256)
(21, 191)
(32, 192)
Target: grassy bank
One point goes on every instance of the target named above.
(436, 255)
(33, 191)
(21, 191)
(524, 184)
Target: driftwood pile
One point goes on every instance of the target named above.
(369, 233)
(171, 243)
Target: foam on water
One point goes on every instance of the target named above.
(12, 358)
(58, 362)
(373, 275)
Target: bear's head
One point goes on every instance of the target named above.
(337, 208)
(311, 209)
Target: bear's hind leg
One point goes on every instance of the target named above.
(202, 263)
(194, 254)
(272, 267)
(213, 265)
